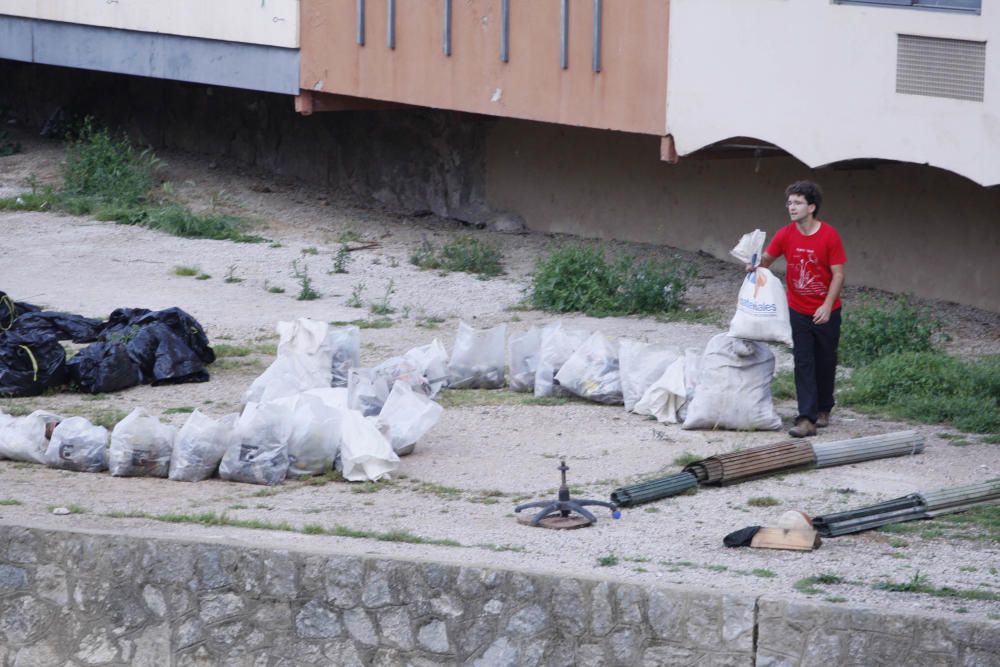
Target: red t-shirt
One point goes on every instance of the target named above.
(809, 259)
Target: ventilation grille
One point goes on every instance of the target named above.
(940, 67)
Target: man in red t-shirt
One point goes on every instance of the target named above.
(815, 275)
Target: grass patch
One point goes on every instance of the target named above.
(112, 180)
(179, 410)
(932, 388)
(763, 501)
(607, 561)
(764, 573)
(465, 253)
(9, 502)
(213, 519)
(808, 584)
(16, 410)
(371, 323)
(580, 279)
(430, 322)
(874, 330)
(686, 458)
(783, 385)
(224, 350)
(980, 523)
(919, 583)
(439, 490)
(106, 418)
(186, 271)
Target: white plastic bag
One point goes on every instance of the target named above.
(750, 248)
(641, 365)
(663, 399)
(432, 360)
(558, 345)
(591, 372)
(477, 361)
(366, 392)
(346, 344)
(78, 445)
(524, 348)
(24, 438)
(259, 453)
(315, 436)
(734, 387)
(762, 309)
(200, 446)
(365, 454)
(141, 446)
(406, 417)
(304, 361)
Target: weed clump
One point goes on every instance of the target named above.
(306, 290)
(581, 279)
(930, 387)
(113, 181)
(874, 330)
(466, 254)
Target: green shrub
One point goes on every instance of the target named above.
(580, 279)
(930, 387)
(107, 169)
(111, 180)
(876, 329)
(465, 253)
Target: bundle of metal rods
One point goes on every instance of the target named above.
(768, 459)
(921, 505)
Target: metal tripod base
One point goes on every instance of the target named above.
(557, 513)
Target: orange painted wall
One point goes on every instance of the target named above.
(628, 94)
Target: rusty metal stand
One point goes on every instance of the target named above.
(564, 505)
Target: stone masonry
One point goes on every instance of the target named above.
(88, 598)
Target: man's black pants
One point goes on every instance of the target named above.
(815, 362)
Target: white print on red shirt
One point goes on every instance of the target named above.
(807, 283)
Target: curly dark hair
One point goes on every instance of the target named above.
(811, 191)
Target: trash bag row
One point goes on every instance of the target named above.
(728, 385)
(134, 346)
(295, 436)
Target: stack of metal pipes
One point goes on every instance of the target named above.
(921, 505)
(769, 459)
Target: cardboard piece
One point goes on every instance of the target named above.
(794, 539)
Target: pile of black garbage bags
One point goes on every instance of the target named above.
(134, 346)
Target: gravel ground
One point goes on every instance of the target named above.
(491, 450)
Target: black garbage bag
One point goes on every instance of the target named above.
(58, 325)
(169, 346)
(10, 310)
(741, 537)
(103, 367)
(30, 366)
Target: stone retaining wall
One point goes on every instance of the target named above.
(86, 598)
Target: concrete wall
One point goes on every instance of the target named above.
(265, 22)
(87, 598)
(818, 78)
(629, 93)
(906, 228)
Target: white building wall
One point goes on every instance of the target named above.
(264, 22)
(818, 79)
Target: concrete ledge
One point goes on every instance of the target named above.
(102, 598)
(192, 59)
